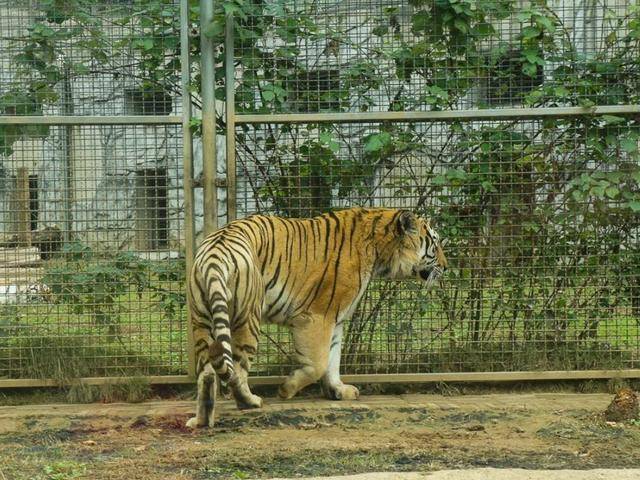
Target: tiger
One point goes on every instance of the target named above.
(306, 274)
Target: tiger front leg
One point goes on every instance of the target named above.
(332, 386)
(311, 339)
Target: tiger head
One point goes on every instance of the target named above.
(413, 251)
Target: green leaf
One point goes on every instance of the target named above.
(612, 192)
(634, 205)
(456, 174)
(214, 29)
(439, 180)
(530, 32)
(598, 191)
(376, 142)
(545, 23)
(80, 68)
(484, 29)
(327, 139)
(485, 147)
(530, 69)
(421, 21)
(532, 56)
(629, 145)
(380, 30)
(461, 25)
(268, 95)
(612, 119)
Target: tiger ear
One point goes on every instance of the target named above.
(406, 223)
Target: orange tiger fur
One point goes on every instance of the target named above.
(308, 274)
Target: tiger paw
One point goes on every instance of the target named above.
(193, 423)
(285, 391)
(341, 392)
(253, 401)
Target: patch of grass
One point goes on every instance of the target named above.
(476, 417)
(67, 357)
(315, 463)
(312, 463)
(579, 431)
(523, 356)
(32, 396)
(131, 390)
(615, 384)
(64, 470)
(294, 417)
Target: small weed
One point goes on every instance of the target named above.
(447, 389)
(476, 417)
(81, 393)
(64, 470)
(589, 386)
(131, 390)
(574, 431)
(615, 384)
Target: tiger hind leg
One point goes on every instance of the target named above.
(205, 408)
(244, 344)
(207, 385)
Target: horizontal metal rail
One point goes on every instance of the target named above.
(430, 116)
(46, 382)
(374, 378)
(335, 117)
(90, 120)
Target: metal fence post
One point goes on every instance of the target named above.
(187, 160)
(22, 207)
(231, 119)
(208, 80)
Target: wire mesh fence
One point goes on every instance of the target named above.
(369, 55)
(85, 57)
(541, 211)
(543, 245)
(92, 234)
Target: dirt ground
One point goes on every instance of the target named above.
(314, 437)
